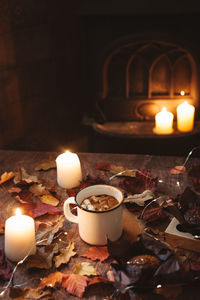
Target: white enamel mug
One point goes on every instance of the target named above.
(96, 226)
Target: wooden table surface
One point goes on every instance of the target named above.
(160, 166)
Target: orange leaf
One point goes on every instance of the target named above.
(98, 279)
(75, 284)
(51, 280)
(177, 170)
(6, 176)
(97, 253)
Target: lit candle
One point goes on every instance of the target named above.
(69, 173)
(19, 236)
(164, 122)
(185, 117)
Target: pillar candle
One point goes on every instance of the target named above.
(19, 236)
(164, 122)
(185, 117)
(69, 173)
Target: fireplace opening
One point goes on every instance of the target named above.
(139, 78)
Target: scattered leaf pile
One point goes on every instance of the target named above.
(147, 263)
(144, 263)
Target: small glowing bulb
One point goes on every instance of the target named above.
(160, 180)
(178, 183)
(18, 212)
(159, 286)
(182, 93)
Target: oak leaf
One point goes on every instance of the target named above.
(75, 284)
(49, 199)
(97, 253)
(65, 255)
(46, 164)
(42, 209)
(51, 280)
(6, 176)
(85, 268)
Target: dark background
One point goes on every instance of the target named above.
(50, 52)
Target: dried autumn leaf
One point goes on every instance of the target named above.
(29, 293)
(75, 284)
(22, 177)
(2, 227)
(177, 170)
(65, 255)
(42, 209)
(36, 261)
(98, 279)
(122, 171)
(38, 189)
(46, 232)
(84, 268)
(24, 196)
(48, 252)
(43, 258)
(49, 199)
(13, 190)
(46, 164)
(51, 280)
(5, 268)
(97, 253)
(6, 176)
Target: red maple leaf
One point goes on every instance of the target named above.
(42, 209)
(75, 284)
(97, 253)
(5, 268)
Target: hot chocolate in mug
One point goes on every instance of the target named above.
(96, 226)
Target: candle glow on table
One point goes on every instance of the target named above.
(19, 236)
(164, 122)
(69, 173)
(185, 117)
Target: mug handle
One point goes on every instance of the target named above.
(68, 215)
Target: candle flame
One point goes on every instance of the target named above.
(182, 93)
(18, 212)
(164, 109)
(67, 151)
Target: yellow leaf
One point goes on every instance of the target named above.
(85, 268)
(65, 255)
(6, 176)
(49, 199)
